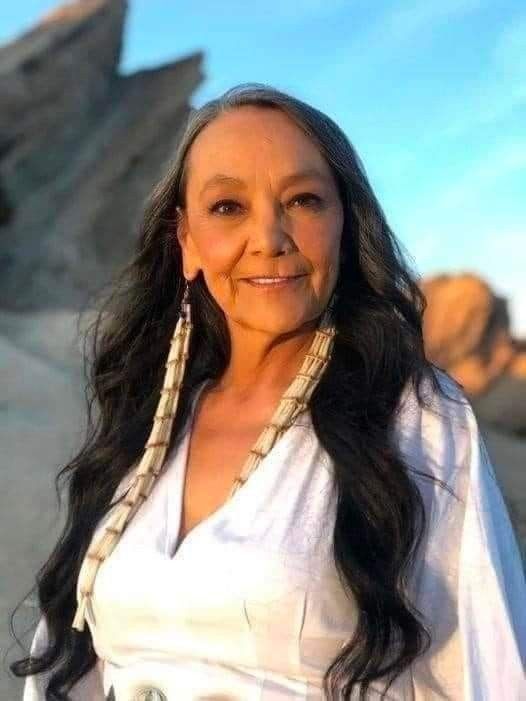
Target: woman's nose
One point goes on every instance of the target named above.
(269, 234)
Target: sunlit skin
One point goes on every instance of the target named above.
(263, 226)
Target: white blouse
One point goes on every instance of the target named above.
(250, 607)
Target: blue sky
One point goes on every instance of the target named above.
(431, 93)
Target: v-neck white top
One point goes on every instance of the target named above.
(251, 608)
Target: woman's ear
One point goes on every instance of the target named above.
(190, 257)
(180, 226)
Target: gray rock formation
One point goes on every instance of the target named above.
(80, 149)
(42, 423)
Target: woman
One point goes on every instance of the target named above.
(282, 499)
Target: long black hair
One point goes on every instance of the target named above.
(378, 351)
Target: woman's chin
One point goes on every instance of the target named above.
(285, 320)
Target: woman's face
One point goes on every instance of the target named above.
(246, 216)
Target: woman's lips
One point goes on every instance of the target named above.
(274, 285)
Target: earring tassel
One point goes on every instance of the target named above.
(148, 468)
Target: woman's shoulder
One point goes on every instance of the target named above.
(442, 396)
(435, 426)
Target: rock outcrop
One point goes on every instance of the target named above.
(81, 147)
(467, 332)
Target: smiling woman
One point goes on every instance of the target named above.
(272, 211)
(283, 499)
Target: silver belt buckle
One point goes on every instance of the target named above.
(149, 693)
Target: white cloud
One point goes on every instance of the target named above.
(406, 20)
(499, 163)
(509, 54)
(499, 90)
(488, 104)
(392, 29)
(272, 13)
(495, 253)
(502, 257)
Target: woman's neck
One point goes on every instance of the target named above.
(261, 364)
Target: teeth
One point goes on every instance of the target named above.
(267, 280)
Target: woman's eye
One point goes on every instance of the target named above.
(308, 196)
(222, 203)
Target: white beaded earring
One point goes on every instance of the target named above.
(149, 466)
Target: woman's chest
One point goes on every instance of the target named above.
(253, 584)
(215, 458)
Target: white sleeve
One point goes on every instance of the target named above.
(88, 688)
(491, 587)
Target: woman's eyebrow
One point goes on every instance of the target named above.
(222, 179)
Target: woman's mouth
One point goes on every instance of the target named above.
(272, 283)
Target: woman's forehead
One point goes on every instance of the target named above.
(238, 144)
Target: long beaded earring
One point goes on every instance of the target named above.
(149, 466)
